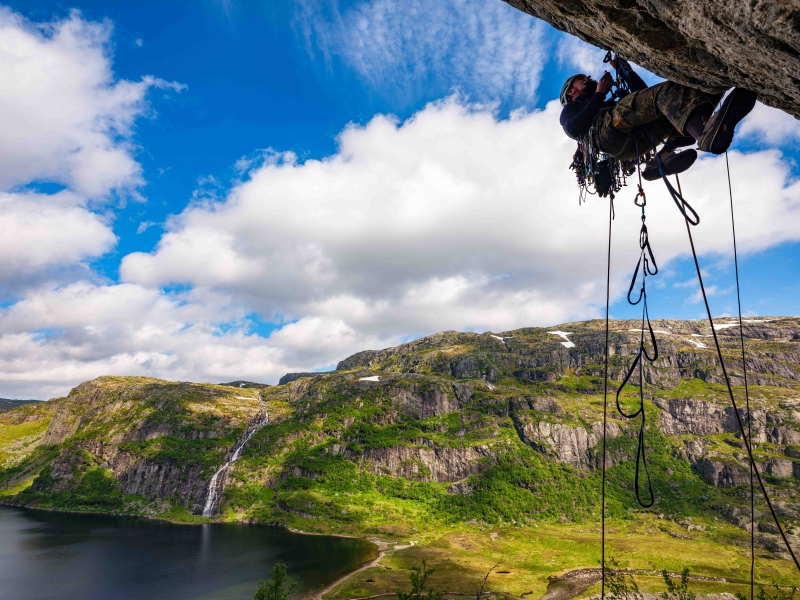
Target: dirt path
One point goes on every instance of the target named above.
(571, 584)
(382, 547)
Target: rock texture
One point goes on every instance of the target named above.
(566, 443)
(708, 44)
(428, 464)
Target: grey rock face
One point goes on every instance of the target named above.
(781, 468)
(566, 443)
(460, 488)
(708, 44)
(722, 474)
(290, 377)
(690, 416)
(424, 464)
(425, 404)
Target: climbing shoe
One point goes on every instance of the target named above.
(671, 161)
(718, 132)
(680, 142)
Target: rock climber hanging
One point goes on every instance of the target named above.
(636, 117)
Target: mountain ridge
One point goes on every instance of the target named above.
(449, 435)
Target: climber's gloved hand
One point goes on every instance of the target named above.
(605, 83)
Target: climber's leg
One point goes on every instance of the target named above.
(678, 103)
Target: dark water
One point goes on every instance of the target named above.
(52, 556)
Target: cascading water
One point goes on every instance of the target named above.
(213, 489)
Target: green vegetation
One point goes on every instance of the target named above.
(279, 586)
(468, 451)
(621, 585)
(95, 490)
(419, 577)
(677, 591)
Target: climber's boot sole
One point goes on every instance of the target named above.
(718, 132)
(671, 162)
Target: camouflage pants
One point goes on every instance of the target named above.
(664, 108)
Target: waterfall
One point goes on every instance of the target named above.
(214, 491)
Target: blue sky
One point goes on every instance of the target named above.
(293, 182)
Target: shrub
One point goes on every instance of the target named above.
(278, 587)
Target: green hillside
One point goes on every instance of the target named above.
(469, 449)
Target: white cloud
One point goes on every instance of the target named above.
(711, 290)
(64, 119)
(574, 52)
(144, 226)
(54, 339)
(63, 116)
(42, 234)
(453, 219)
(407, 50)
(770, 126)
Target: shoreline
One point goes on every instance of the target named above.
(382, 546)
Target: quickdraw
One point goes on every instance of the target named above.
(597, 172)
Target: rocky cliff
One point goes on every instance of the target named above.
(708, 44)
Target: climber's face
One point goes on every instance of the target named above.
(583, 85)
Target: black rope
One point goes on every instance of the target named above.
(644, 264)
(605, 412)
(746, 393)
(730, 393)
(677, 196)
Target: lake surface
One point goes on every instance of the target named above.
(57, 556)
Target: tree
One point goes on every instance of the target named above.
(278, 587)
(677, 591)
(418, 576)
(485, 579)
(621, 585)
(780, 594)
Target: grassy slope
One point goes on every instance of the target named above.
(537, 516)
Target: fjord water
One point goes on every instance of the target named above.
(59, 556)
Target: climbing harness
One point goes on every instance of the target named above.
(597, 172)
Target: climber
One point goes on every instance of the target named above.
(674, 113)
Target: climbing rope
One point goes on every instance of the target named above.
(646, 257)
(730, 390)
(648, 267)
(605, 411)
(746, 392)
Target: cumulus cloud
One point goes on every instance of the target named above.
(770, 126)
(405, 50)
(54, 339)
(45, 234)
(65, 120)
(63, 116)
(452, 219)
